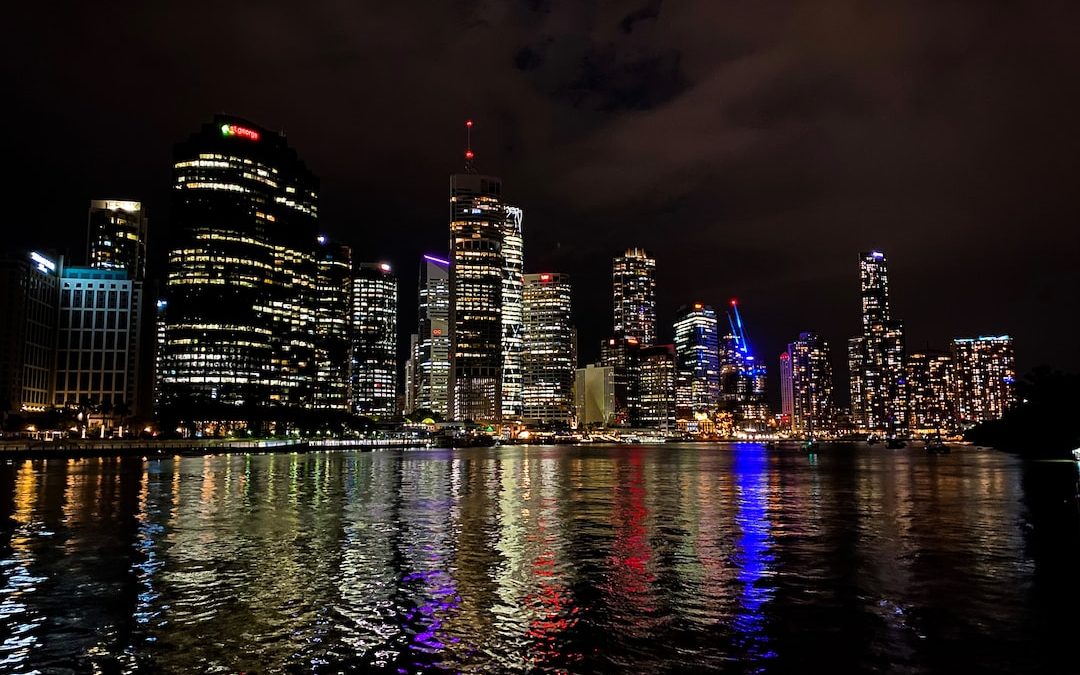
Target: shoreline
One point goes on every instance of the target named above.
(79, 448)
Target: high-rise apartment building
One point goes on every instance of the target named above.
(239, 328)
(477, 222)
(431, 354)
(811, 382)
(549, 358)
(697, 353)
(333, 308)
(117, 237)
(787, 390)
(29, 298)
(634, 288)
(512, 325)
(930, 393)
(984, 370)
(877, 357)
(374, 340)
(856, 362)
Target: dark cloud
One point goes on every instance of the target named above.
(754, 147)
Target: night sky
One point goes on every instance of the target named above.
(753, 147)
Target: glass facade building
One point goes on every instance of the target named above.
(332, 305)
(512, 323)
(29, 298)
(634, 288)
(239, 328)
(431, 354)
(374, 340)
(477, 216)
(549, 358)
(697, 353)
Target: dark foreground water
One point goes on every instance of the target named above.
(657, 560)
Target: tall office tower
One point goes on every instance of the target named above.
(985, 378)
(656, 389)
(881, 406)
(29, 298)
(930, 393)
(97, 360)
(478, 266)
(431, 357)
(812, 388)
(513, 328)
(787, 391)
(697, 354)
(116, 237)
(374, 340)
(620, 354)
(239, 328)
(333, 304)
(634, 286)
(594, 396)
(550, 355)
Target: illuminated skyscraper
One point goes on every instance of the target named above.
(333, 305)
(930, 393)
(634, 286)
(374, 340)
(984, 378)
(655, 365)
(811, 381)
(620, 354)
(97, 362)
(878, 376)
(513, 268)
(697, 354)
(874, 285)
(431, 357)
(550, 355)
(239, 327)
(116, 237)
(787, 390)
(477, 216)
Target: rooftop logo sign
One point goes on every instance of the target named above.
(236, 130)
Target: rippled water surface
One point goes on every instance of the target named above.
(663, 559)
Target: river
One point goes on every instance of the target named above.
(653, 559)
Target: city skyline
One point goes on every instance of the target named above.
(811, 154)
(633, 282)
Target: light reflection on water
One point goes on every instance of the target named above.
(634, 559)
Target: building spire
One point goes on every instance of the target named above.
(469, 168)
